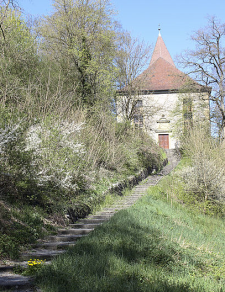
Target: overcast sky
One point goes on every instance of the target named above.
(178, 19)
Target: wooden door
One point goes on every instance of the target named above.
(164, 141)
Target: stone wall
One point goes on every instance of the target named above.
(82, 210)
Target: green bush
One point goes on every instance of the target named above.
(204, 177)
(8, 247)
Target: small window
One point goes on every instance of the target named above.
(138, 121)
(139, 103)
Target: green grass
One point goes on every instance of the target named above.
(20, 226)
(153, 246)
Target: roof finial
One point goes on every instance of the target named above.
(159, 30)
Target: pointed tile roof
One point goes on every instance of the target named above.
(161, 51)
(162, 74)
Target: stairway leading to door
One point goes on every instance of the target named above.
(57, 244)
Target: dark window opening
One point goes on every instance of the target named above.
(139, 103)
(138, 121)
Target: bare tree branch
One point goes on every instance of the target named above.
(207, 62)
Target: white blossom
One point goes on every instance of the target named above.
(7, 135)
(33, 139)
(55, 146)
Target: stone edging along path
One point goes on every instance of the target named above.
(57, 244)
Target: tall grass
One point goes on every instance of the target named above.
(156, 245)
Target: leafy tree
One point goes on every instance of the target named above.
(19, 60)
(207, 62)
(6, 5)
(80, 37)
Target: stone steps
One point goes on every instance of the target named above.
(41, 254)
(12, 281)
(123, 206)
(91, 221)
(78, 231)
(103, 217)
(62, 238)
(109, 210)
(55, 245)
(83, 225)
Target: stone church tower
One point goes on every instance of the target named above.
(158, 91)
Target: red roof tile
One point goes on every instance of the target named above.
(161, 51)
(162, 74)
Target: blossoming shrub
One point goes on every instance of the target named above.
(58, 154)
(53, 164)
(16, 170)
(55, 157)
(204, 177)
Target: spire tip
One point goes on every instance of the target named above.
(159, 29)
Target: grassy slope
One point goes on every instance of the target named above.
(153, 246)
